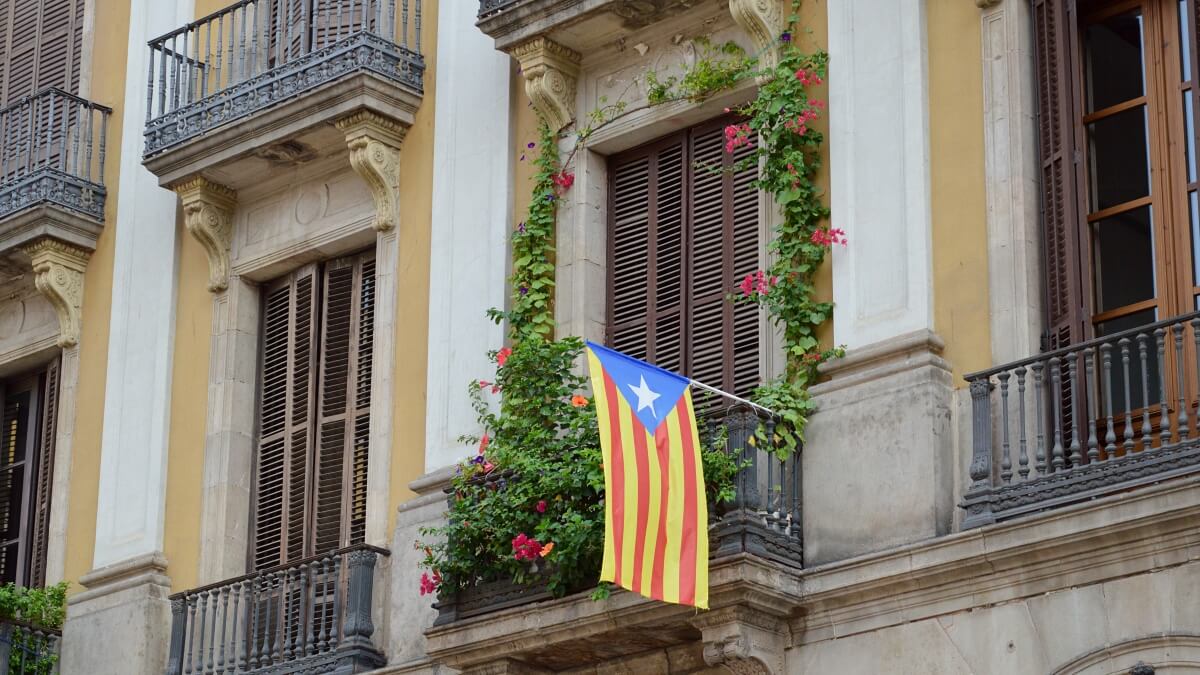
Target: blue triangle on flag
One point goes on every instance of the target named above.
(651, 391)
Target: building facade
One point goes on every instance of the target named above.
(249, 251)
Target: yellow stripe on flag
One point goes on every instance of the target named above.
(701, 511)
(629, 462)
(648, 569)
(600, 396)
(674, 511)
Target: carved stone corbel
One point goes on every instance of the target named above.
(374, 142)
(58, 274)
(744, 640)
(764, 21)
(985, 4)
(208, 216)
(551, 72)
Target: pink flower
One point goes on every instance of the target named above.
(526, 548)
(541, 506)
(761, 281)
(747, 285)
(806, 78)
(502, 356)
(430, 584)
(736, 135)
(823, 237)
(483, 443)
(564, 180)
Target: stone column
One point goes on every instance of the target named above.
(121, 623)
(880, 448)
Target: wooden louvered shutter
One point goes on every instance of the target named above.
(43, 479)
(40, 46)
(646, 253)
(286, 411)
(1055, 34)
(724, 230)
(343, 432)
(21, 440)
(683, 228)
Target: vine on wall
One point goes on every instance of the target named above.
(529, 505)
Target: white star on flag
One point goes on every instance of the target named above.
(645, 396)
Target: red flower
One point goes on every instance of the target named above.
(564, 180)
(823, 237)
(502, 356)
(736, 135)
(541, 506)
(483, 443)
(526, 548)
(429, 584)
(578, 401)
(747, 285)
(807, 78)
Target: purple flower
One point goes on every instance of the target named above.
(550, 197)
(521, 227)
(786, 37)
(478, 459)
(524, 290)
(531, 145)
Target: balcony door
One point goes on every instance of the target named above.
(40, 46)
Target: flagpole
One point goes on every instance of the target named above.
(734, 398)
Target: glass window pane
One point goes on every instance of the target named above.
(1137, 396)
(1123, 251)
(1189, 136)
(1114, 60)
(1119, 159)
(1185, 41)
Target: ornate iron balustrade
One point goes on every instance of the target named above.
(311, 616)
(52, 147)
(1092, 419)
(763, 519)
(255, 54)
(26, 649)
(489, 7)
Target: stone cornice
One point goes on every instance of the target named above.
(551, 72)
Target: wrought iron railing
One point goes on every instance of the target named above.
(313, 615)
(52, 147)
(763, 519)
(489, 7)
(1092, 419)
(27, 649)
(255, 54)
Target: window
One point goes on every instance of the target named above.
(1118, 148)
(27, 431)
(683, 229)
(314, 411)
(40, 43)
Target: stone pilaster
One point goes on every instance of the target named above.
(374, 142)
(551, 71)
(208, 216)
(58, 270)
(764, 21)
(744, 640)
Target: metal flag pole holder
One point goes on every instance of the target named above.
(731, 397)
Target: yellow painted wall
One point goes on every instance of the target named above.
(815, 37)
(960, 265)
(107, 88)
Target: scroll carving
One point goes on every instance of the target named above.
(208, 216)
(58, 270)
(374, 142)
(551, 72)
(744, 640)
(764, 21)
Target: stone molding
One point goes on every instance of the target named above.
(208, 216)
(148, 568)
(551, 75)
(374, 142)
(873, 362)
(745, 640)
(985, 4)
(764, 21)
(58, 270)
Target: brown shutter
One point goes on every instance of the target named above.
(647, 253)
(44, 476)
(724, 347)
(1066, 318)
(40, 45)
(683, 226)
(339, 516)
(287, 378)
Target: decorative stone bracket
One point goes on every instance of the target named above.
(745, 640)
(764, 21)
(208, 216)
(551, 71)
(374, 142)
(58, 270)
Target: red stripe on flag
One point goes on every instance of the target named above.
(662, 441)
(687, 562)
(618, 476)
(643, 499)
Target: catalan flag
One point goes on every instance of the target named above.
(655, 511)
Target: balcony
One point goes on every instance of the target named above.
(578, 25)
(756, 554)
(52, 147)
(26, 649)
(256, 84)
(313, 615)
(1093, 419)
